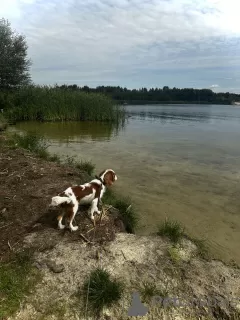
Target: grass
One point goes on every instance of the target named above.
(149, 289)
(38, 145)
(128, 213)
(174, 255)
(45, 103)
(176, 232)
(31, 142)
(202, 247)
(3, 123)
(100, 291)
(172, 230)
(54, 308)
(86, 166)
(17, 278)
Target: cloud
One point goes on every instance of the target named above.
(130, 42)
(214, 86)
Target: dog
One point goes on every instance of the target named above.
(88, 193)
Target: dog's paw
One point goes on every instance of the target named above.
(74, 228)
(61, 226)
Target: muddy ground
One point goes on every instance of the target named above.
(65, 259)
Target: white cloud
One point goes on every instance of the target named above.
(214, 86)
(128, 41)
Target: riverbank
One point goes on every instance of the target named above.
(62, 261)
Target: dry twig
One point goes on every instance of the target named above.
(9, 245)
(85, 239)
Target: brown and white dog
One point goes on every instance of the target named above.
(88, 193)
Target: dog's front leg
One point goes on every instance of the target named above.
(94, 208)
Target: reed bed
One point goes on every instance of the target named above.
(44, 103)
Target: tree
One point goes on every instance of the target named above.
(14, 64)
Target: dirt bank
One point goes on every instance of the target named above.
(205, 290)
(65, 259)
(27, 184)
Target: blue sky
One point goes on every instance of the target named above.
(132, 43)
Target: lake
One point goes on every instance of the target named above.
(175, 161)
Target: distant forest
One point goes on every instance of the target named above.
(160, 95)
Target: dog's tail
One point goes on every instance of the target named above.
(56, 201)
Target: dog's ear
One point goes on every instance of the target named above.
(109, 177)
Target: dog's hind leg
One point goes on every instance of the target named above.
(72, 214)
(60, 217)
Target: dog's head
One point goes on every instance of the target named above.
(108, 176)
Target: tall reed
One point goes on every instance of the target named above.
(44, 103)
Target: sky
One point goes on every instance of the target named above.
(131, 43)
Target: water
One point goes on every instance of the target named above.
(176, 161)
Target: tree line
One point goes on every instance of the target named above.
(159, 95)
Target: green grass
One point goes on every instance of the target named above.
(54, 158)
(149, 289)
(45, 103)
(101, 291)
(128, 213)
(17, 278)
(86, 166)
(31, 142)
(38, 145)
(174, 255)
(3, 123)
(172, 230)
(203, 249)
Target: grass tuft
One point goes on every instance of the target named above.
(54, 158)
(203, 249)
(100, 291)
(174, 255)
(3, 123)
(17, 278)
(175, 232)
(128, 213)
(172, 230)
(149, 289)
(86, 166)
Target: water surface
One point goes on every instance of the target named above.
(176, 161)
